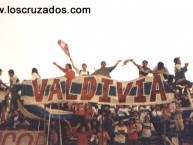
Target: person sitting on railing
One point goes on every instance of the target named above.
(180, 71)
(35, 74)
(163, 70)
(105, 71)
(3, 86)
(143, 69)
(14, 80)
(14, 85)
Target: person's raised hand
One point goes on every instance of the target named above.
(119, 61)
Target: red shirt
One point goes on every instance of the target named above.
(82, 138)
(89, 114)
(132, 132)
(70, 74)
(81, 110)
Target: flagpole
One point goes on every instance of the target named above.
(102, 128)
(49, 124)
(165, 129)
(44, 123)
(38, 125)
(61, 143)
(189, 97)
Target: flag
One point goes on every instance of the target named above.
(126, 61)
(64, 47)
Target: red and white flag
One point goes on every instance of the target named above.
(64, 47)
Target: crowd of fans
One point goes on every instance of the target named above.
(94, 124)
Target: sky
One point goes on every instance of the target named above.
(142, 30)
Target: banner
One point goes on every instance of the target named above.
(97, 89)
(22, 138)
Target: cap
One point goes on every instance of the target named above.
(176, 59)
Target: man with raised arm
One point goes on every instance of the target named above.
(143, 69)
(80, 72)
(69, 73)
(105, 71)
(180, 71)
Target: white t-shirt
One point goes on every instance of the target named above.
(120, 137)
(156, 113)
(123, 112)
(147, 130)
(35, 76)
(82, 73)
(15, 80)
(177, 67)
